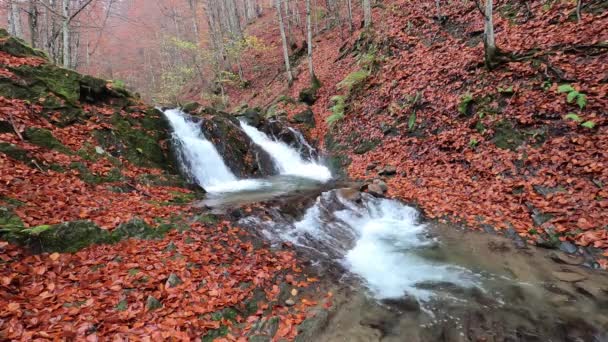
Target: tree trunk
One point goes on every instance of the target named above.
(313, 78)
(367, 13)
(66, 32)
(33, 23)
(284, 40)
(192, 4)
(579, 3)
(438, 5)
(350, 15)
(489, 43)
(15, 27)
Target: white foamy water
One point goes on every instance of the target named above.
(287, 159)
(200, 158)
(385, 244)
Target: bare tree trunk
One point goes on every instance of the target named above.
(438, 5)
(66, 33)
(350, 14)
(15, 27)
(192, 4)
(367, 13)
(489, 42)
(33, 23)
(284, 39)
(579, 3)
(288, 23)
(313, 78)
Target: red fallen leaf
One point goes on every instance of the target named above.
(12, 306)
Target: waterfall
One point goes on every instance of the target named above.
(379, 240)
(201, 160)
(287, 160)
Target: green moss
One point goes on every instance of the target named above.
(338, 108)
(354, 80)
(215, 334)
(137, 228)
(17, 47)
(14, 152)
(366, 145)
(44, 138)
(183, 197)
(89, 177)
(49, 78)
(506, 136)
(65, 237)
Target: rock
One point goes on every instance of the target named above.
(594, 291)
(191, 107)
(251, 116)
(407, 303)
(539, 218)
(173, 280)
(259, 338)
(308, 329)
(563, 258)
(350, 194)
(568, 247)
(371, 166)
(153, 303)
(388, 170)
(294, 292)
(290, 302)
(308, 95)
(375, 190)
(381, 184)
(569, 277)
(306, 117)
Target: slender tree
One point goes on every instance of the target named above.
(489, 42)
(349, 4)
(14, 19)
(284, 40)
(367, 13)
(313, 78)
(579, 4)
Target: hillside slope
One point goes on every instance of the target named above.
(520, 149)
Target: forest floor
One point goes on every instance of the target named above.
(512, 149)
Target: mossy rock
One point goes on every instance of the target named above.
(214, 334)
(507, 137)
(10, 225)
(15, 152)
(137, 228)
(366, 145)
(66, 237)
(91, 178)
(191, 107)
(224, 131)
(308, 95)
(251, 116)
(44, 138)
(17, 47)
(306, 117)
(49, 78)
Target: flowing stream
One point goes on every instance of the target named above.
(422, 274)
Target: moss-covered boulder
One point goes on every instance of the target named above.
(137, 228)
(44, 138)
(65, 237)
(14, 152)
(305, 117)
(241, 155)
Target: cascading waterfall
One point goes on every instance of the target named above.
(201, 160)
(379, 240)
(287, 159)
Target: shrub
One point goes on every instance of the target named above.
(337, 109)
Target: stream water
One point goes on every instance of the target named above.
(397, 275)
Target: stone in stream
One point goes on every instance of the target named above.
(381, 184)
(567, 259)
(569, 277)
(593, 290)
(350, 194)
(375, 190)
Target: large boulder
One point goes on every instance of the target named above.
(241, 155)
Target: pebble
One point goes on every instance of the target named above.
(290, 302)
